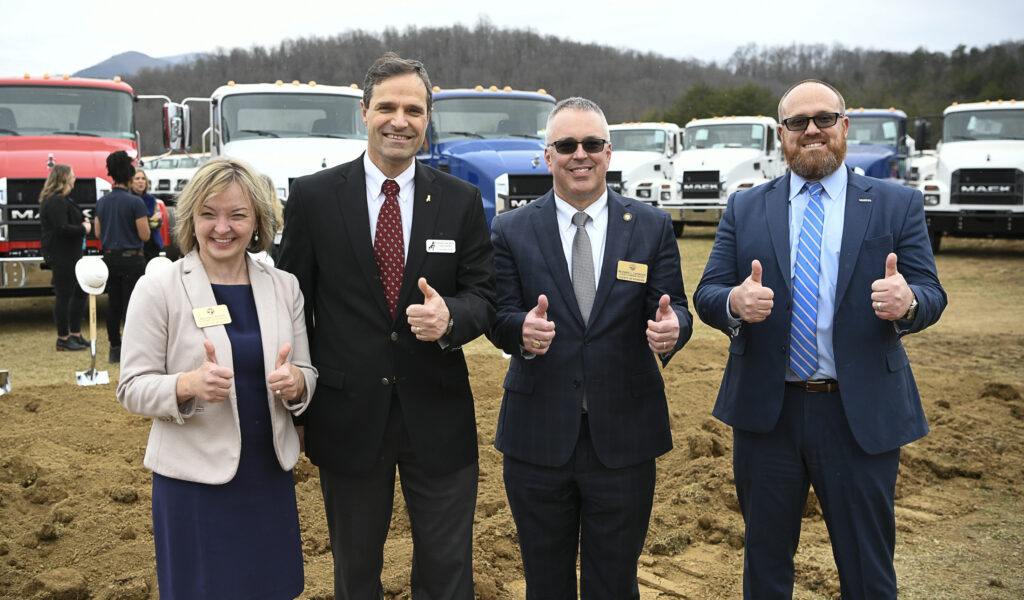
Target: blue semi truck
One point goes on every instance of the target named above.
(878, 144)
(493, 138)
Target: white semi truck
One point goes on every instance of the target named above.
(720, 156)
(978, 187)
(644, 150)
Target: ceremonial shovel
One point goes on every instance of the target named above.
(92, 276)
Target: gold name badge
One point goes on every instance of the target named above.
(208, 316)
(631, 271)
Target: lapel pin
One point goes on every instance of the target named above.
(627, 217)
(863, 199)
(428, 197)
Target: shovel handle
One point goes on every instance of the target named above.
(92, 317)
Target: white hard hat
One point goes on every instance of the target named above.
(92, 274)
(157, 264)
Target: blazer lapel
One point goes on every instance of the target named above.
(855, 223)
(549, 241)
(200, 295)
(424, 221)
(351, 203)
(616, 243)
(266, 303)
(776, 212)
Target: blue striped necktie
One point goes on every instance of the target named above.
(803, 331)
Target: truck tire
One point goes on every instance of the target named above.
(677, 228)
(935, 237)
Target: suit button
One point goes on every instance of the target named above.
(782, 349)
(576, 384)
(586, 342)
(394, 336)
(384, 381)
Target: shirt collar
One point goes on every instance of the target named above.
(565, 211)
(375, 177)
(834, 183)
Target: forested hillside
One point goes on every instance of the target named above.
(629, 85)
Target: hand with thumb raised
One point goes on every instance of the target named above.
(210, 382)
(537, 330)
(663, 331)
(891, 296)
(286, 380)
(428, 321)
(750, 301)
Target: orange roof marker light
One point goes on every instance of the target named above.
(295, 82)
(437, 88)
(231, 82)
(312, 83)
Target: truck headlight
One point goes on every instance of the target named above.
(931, 199)
(643, 193)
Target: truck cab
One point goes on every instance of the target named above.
(720, 156)
(878, 145)
(45, 121)
(978, 188)
(494, 139)
(644, 150)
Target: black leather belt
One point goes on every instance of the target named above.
(129, 252)
(816, 385)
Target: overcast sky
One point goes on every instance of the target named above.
(64, 36)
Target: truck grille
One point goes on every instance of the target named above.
(701, 184)
(523, 189)
(22, 211)
(987, 186)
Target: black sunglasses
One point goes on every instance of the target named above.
(591, 145)
(821, 121)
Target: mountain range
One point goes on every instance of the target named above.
(129, 63)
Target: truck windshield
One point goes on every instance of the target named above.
(873, 131)
(65, 110)
(736, 135)
(488, 117)
(995, 124)
(638, 140)
(246, 116)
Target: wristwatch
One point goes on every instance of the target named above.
(912, 311)
(451, 322)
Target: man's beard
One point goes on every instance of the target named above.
(815, 165)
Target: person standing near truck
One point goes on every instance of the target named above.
(63, 237)
(122, 224)
(140, 187)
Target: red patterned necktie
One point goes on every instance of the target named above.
(388, 245)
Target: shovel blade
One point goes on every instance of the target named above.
(92, 377)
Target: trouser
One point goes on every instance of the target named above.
(69, 299)
(124, 272)
(812, 444)
(440, 509)
(583, 504)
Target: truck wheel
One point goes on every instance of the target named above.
(677, 228)
(935, 237)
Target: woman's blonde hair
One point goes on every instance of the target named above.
(275, 203)
(58, 182)
(213, 178)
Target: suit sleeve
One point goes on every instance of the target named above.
(507, 333)
(297, 255)
(721, 274)
(916, 263)
(473, 305)
(666, 278)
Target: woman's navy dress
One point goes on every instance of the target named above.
(240, 539)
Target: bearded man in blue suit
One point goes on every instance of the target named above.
(816, 276)
(590, 298)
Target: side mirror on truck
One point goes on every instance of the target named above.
(177, 134)
(922, 130)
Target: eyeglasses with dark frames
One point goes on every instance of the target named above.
(822, 121)
(591, 145)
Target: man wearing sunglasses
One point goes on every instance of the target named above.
(815, 277)
(590, 298)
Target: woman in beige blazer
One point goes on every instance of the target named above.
(215, 350)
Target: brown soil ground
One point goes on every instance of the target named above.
(75, 497)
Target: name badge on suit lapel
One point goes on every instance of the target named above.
(441, 246)
(631, 271)
(208, 316)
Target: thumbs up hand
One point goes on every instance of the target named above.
(663, 331)
(891, 296)
(210, 382)
(750, 301)
(429, 321)
(286, 381)
(537, 330)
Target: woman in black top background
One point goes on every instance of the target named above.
(63, 239)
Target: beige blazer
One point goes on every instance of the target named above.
(198, 441)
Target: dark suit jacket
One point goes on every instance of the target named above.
(360, 352)
(877, 388)
(609, 358)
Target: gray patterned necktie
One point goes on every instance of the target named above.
(583, 266)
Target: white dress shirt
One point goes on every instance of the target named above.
(375, 197)
(597, 229)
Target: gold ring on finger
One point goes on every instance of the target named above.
(536, 344)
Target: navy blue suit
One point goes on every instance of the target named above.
(849, 440)
(541, 429)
